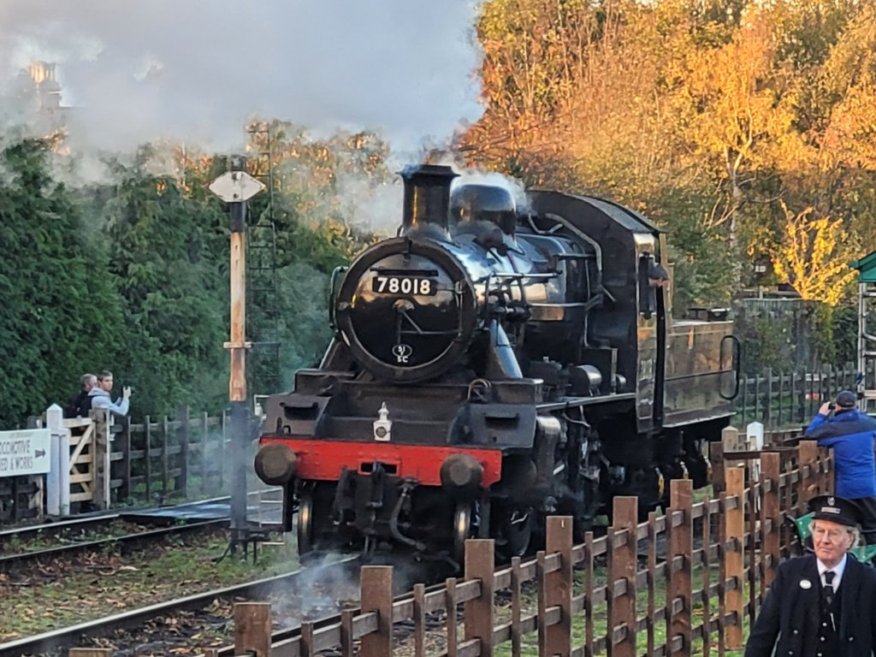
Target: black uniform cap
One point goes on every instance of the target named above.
(835, 509)
(846, 399)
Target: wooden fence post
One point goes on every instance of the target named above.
(147, 455)
(807, 465)
(771, 516)
(252, 629)
(205, 433)
(125, 466)
(60, 447)
(825, 470)
(679, 591)
(716, 458)
(165, 458)
(558, 637)
(622, 565)
(376, 596)
(478, 613)
(100, 449)
(183, 437)
(733, 529)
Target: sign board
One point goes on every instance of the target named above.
(24, 452)
(236, 186)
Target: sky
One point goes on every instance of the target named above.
(196, 70)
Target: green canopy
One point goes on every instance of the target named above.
(867, 267)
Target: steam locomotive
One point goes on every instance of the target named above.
(492, 365)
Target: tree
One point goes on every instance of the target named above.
(813, 256)
(59, 312)
(168, 255)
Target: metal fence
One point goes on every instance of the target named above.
(790, 398)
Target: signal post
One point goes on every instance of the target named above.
(236, 187)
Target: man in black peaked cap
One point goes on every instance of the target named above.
(822, 604)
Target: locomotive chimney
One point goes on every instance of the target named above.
(427, 196)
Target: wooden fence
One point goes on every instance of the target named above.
(156, 460)
(681, 583)
(150, 462)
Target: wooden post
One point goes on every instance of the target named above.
(55, 425)
(306, 640)
(100, 449)
(419, 620)
(181, 484)
(478, 613)
(165, 458)
(205, 432)
(807, 462)
(376, 596)
(558, 637)
(716, 457)
(679, 592)
(825, 468)
(125, 490)
(733, 529)
(91, 652)
(347, 644)
(622, 565)
(252, 629)
(147, 451)
(771, 517)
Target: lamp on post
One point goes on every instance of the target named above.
(236, 187)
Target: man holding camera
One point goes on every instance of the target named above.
(100, 395)
(850, 434)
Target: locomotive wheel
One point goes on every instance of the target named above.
(305, 524)
(462, 529)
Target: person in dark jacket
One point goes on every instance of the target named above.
(850, 434)
(80, 405)
(822, 604)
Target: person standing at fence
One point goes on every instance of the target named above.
(80, 404)
(851, 435)
(822, 604)
(100, 395)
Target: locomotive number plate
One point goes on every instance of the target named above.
(404, 285)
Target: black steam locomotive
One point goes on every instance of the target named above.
(490, 367)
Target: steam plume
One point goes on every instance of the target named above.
(197, 69)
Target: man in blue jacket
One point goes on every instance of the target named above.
(851, 434)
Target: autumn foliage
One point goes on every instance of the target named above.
(746, 128)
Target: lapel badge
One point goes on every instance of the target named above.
(805, 584)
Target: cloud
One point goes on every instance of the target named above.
(198, 69)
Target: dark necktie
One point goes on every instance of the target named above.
(828, 587)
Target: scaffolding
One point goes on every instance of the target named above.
(263, 310)
(263, 321)
(867, 332)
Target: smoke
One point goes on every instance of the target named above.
(512, 185)
(196, 70)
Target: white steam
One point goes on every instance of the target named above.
(196, 70)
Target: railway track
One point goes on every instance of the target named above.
(123, 543)
(286, 642)
(59, 640)
(90, 523)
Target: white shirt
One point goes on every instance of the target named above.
(837, 569)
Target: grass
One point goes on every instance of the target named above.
(106, 586)
(529, 642)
